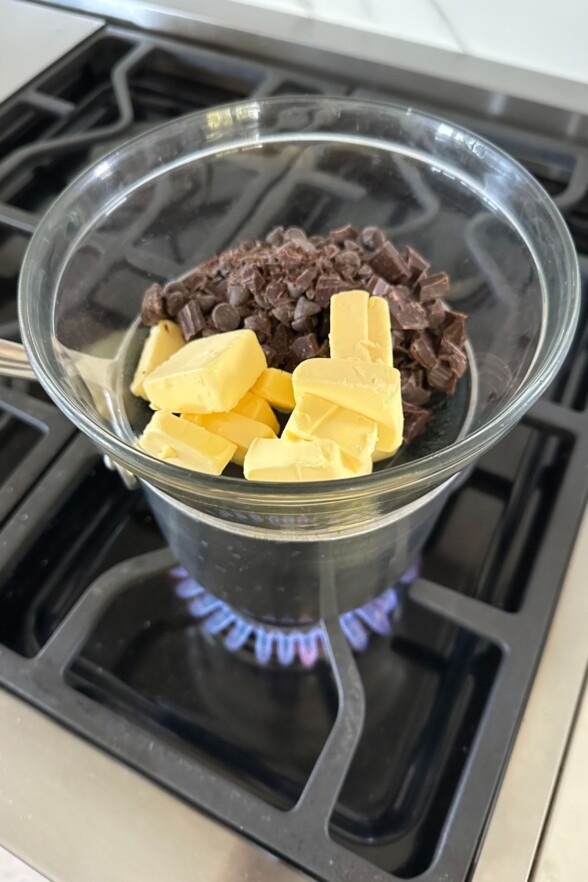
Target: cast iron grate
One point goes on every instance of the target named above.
(93, 632)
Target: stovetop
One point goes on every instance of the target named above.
(372, 765)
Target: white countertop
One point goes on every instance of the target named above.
(32, 38)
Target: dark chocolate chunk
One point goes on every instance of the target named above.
(306, 278)
(422, 350)
(305, 324)
(433, 287)
(416, 263)
(380, 288)
(305, 347)
(280, 341)
(325, 287)
(405, 313)
(412, 387)
(344, 233)
(252, 279)
(454, 357)
(372, 237)
(225, 317)
(284, 313)
(194, 282)
(454, 328)
(441, 377)
(191, 320)
(153, 305)
(388, 263)
(416, 420)
(436, 312)
(270, 355)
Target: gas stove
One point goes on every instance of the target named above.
(367, 747)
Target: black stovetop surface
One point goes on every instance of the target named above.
(92, 627)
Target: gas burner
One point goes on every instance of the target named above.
(288, 644)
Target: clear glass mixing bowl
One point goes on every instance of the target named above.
(157, 206)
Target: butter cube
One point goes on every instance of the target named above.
(316, 418)
(276, 387)
(360, 327)
(379, 331)
(390, 436)
(208, 375)
(258, 409)
(280, 460)
(163, 341)
(234, 427)
(349, 324)
(369, 389)
(182, 443)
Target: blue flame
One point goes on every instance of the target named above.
(287, 645)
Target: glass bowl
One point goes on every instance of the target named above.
(160, 204)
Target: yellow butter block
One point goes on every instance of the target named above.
(379, 331)
(276, 387)
(280, 460)
(349, 324)
(258, 409)
(182, 443)
(234, 427)
(316, 418)
(368, 389)
(360, 327)
(163, 341)
(208, 375)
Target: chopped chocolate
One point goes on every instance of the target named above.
(416, 263)
(225, 317)
(191, 320)
(422, 350)
(388, 263)
(454, 328)
(413, 387)
(433, 287)
(305, 347)
(416, 420)
(344, 233)
(451, 355)
(153, 305)
(280, 287)
(406, 314)
(441, 377)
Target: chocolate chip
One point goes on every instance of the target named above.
(305, 308)
(153, 305)
(433, 287)
(306, 278)
(270, 355)
(275, 237)
(305, 347)
(372, 237)
(237, 294)
(252, 279)
(206, 302)
(193, 282)
(260, 324)
(305, 324)
(284, 313)
(176, 296)
(191, 320)
(225, 317)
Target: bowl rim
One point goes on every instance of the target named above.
(422, 473)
